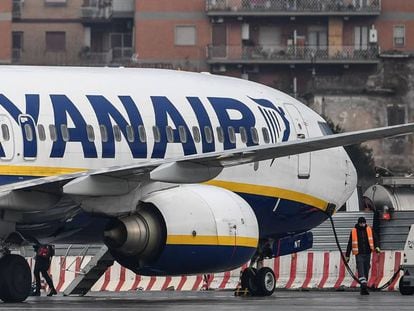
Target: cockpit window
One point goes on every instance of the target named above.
(325, 128)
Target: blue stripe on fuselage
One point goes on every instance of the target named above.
(289, 216)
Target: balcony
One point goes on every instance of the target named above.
(96, 58)
(292, 7)
(237, 54)
(94, 10)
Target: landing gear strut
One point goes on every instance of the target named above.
(15, 278)
(260, 281)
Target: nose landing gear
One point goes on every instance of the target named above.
(261, 282)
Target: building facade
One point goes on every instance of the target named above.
(5, 31)
(72, 32)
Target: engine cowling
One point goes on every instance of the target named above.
(185, 230)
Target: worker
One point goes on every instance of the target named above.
(43, 258)
(362, 242)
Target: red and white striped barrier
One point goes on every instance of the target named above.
(303, 270)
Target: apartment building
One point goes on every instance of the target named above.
(5, 31)
(72, 32)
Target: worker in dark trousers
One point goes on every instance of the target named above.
(44, 254)
(362, 242)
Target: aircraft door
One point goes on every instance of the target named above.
(28, 128)
(304, 159)
(6, 139)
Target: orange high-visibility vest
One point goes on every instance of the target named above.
(355, 250)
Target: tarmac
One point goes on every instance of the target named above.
(220, 300)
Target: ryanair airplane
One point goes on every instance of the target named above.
(177, 173)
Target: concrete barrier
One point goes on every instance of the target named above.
(307, 270)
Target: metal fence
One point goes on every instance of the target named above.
(323, 236)
(284, 53)
(346, 6)
(393, 233)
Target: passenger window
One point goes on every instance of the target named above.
(209, 134)
(170, 134)
(90, 132)
(196, 134)
(5, 132)
(117, 133)
(220, 134)
(142, 134)
(156, 132)
(255, 136)
(265, 133)
(232, 135)
(130, 133)
(183, 134)
(104, 133)
(28, 132)
(41, 131)
(65, 132)
(243, 134)
(52, 132)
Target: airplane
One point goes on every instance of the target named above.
(176, 172)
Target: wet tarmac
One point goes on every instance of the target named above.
(220, 300)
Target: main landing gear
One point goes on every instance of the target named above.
(259, 281)
(15, 277)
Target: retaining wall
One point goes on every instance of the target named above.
(306, 270)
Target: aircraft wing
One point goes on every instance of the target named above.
(207, 166)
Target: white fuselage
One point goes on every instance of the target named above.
(77, 109)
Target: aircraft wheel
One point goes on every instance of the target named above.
(405, 289)
(248, 280)
(266, 281)
(15, 278)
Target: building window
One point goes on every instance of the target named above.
(399, 36)
(55, 2)
(185, 35)
(395, 115)
(17, 45)
(55, 41)
(361, 37)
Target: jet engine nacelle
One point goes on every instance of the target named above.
(187, 229)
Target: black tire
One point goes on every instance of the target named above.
(405, 289)
(248, 280)
(266, 281)
(15, 278)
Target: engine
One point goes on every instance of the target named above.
(187, 229)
